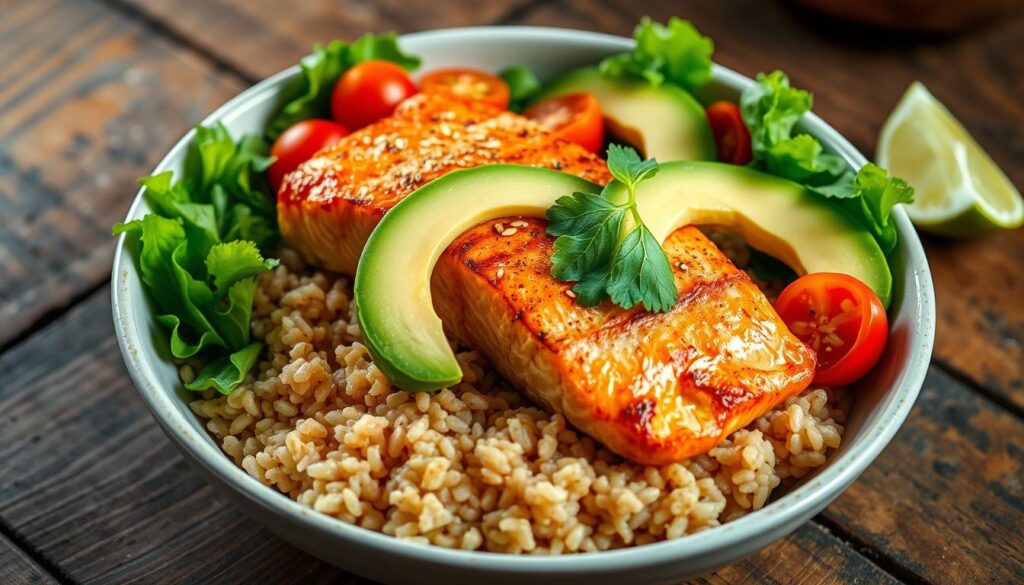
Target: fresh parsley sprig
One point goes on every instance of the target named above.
(605, 247)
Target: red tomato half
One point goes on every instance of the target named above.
(575, 117)
(841, 319)
(731, 135)
(299, 143)
(368, 92)
(470, 84)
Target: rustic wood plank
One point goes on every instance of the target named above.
(17, 568)
(265, 39)
(948, 492)
(857, 78)
(89, 101)
(809, 556)
(93, 485)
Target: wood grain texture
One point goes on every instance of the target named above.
(95, 487)
(809, 556)
(266, 39)
(16, 568)
(946, 498)
(89, 101)
(857, 78)
(91, 95)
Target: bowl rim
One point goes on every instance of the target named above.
(799, 502)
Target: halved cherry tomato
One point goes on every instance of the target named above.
(575, 117)
(731, 135)
(368, 92)
(299, 143)
(470, 84)
(841, 319)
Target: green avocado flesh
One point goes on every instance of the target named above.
(392, 284)
(663, 122)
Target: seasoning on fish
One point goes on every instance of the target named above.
(329, 206)
(653, 387)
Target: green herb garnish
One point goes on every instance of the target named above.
(522, 84)
(674, 53)
(605, 247)
(309, 96)
(199, 251)
(771, 109)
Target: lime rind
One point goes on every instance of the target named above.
(960, 190)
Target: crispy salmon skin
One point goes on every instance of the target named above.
(653, 387)
(328, 207)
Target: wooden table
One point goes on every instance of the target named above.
(93, 92)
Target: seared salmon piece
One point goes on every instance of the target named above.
(653, 387)
(328, 207)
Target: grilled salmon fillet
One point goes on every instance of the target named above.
(653, 387)
(328, 207)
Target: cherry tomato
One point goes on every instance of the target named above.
(467, 83)
(575, 117)
(841, 319)
(731, 135)
(299, 143)
(368, 92)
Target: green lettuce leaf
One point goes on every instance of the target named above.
(522, 84)
(182, 346)
(870, 196)
(675, 53)
(383, 47)
(309, 96)
(231, 262)
(232, 319)
(771, 110)
(199, 251)
(227, 372)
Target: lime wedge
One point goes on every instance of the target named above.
(958, 189)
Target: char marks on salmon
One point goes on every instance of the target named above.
(328, 207)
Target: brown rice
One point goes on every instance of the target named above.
(476, 466)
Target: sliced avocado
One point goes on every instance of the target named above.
(663, 122)
(392, 285)
(778, 217)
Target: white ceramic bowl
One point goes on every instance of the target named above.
(882, 401)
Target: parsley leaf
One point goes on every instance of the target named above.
(309, 95)
(641, 273)
(675, 53)
(589, 226)
(592, 250)
(522, 84)
(626, 165)
(771, 110)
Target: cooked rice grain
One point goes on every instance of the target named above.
(476, 466)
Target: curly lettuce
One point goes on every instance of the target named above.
(198, 252)
(673, 53)
(309, 95)
(771, 109)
